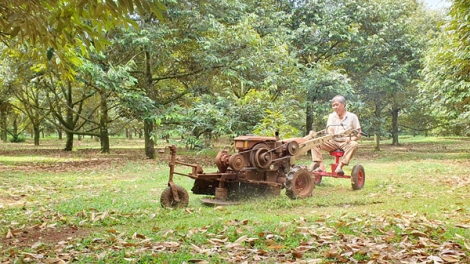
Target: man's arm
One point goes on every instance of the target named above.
(357, 126)
(329, 128)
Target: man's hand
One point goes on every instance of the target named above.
(355, 137)
(359, 134)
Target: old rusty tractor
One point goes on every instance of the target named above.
(262, 165)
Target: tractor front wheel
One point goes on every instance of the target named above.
(167, 199)
(358, 177)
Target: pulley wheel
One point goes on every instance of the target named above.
(262, 158)
(236, 162)
(293, 148)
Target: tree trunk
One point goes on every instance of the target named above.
(309, 120)
(104, 139)
(377, 124)
(37, 134)
(149, 142)
(4, 134)
(395, 126)
(131, 133)
(104, 135)
(69, 119)
(15, 131)
(376, 142)
(148, 124)
(69, 141)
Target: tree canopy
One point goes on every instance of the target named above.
(62, 25)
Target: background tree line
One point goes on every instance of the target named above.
(199, 70)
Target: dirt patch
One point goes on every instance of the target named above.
(87, 160)
(81, 165)
(11, 200)
(34, 236)
(58, 161)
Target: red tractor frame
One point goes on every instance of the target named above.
(358, 176)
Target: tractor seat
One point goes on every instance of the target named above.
(337, 153)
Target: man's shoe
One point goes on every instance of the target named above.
(339, 172)
(317, 170)
(315, 167)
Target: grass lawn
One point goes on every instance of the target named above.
(83, 206)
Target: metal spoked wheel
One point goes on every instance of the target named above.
(167, 199)
(358, 177)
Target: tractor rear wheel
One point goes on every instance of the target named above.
(167, 199)
(299, 183)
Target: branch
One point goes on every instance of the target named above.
(423, 129)
(178, 96)
(181, 75)
(60, 126)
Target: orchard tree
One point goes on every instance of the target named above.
(109, 82)
(31, 101)
(163, 69)
(186, 56)
(66, 100)
(26, 96)
(460, 25)
(383, 61)
(319, 39)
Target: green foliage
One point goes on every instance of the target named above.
(275, 121)
(284, 116)
(63, 25)
(445, 85)
(459, 26)
(211, 117)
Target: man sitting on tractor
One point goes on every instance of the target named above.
(338, 121)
